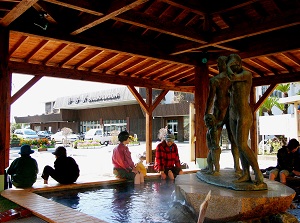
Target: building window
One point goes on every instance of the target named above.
(108, 125)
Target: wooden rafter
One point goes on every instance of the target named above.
(17, 11)
(108, 16)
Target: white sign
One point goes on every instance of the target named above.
(275, 125)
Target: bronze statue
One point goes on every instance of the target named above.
(213, 158)
(240, 116)
(219, 100)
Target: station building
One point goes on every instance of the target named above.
(114, 109)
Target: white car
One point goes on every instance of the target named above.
(26, 134)
(98, 134)
(59, 137)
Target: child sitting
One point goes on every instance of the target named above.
(140, 166)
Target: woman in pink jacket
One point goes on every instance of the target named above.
(123, 165)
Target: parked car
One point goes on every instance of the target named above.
(44, 134)
(98, 134)
(26, 134)
(81, 135)
(60, 138)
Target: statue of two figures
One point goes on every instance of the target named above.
(228, 104)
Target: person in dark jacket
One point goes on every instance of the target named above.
(285, 161)
(65, 171)
(24, 169)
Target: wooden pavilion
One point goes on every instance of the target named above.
(156, 44)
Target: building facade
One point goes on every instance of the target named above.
(114, 109)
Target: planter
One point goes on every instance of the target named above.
(42, 149)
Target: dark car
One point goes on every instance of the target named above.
(44, 134)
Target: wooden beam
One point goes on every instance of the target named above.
(58, 72)
(159, 98)
(82, 6)
(148, 108)
(276, 79)
(141, 20)
(139, 98)
(150, 22)
(264, 97)
(109, 16)
(104, 41)
(18, 10)
(25, 88)
(240, 32)
(266, 46)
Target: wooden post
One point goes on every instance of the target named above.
(148, 107)
(5, 94)
(149, 125)
(201, 94)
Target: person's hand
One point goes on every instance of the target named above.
(163, 175)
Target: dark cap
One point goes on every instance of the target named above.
(60, 151)
(26, 150)
(293, 144)
(170, 137)
(123, 136)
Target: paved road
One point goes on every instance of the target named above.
(95, 162)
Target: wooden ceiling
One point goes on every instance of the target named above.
(152, 43)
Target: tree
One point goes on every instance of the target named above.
(65, 132)
(284, 88)
(267, 106)
(14, 126)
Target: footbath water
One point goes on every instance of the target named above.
(150, 201)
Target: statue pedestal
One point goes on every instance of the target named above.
(232, 205)
(226, 179)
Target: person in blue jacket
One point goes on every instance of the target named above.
(24, 169)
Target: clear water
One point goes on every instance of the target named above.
(148, 202)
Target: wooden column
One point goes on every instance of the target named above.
(149, 125)
(148, 107)
(5, 94)
(201, 94)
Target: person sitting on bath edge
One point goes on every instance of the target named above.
(121, 159)
(167, 160)
(65, 171)
(24, 169)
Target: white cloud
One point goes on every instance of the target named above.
(47, 89)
